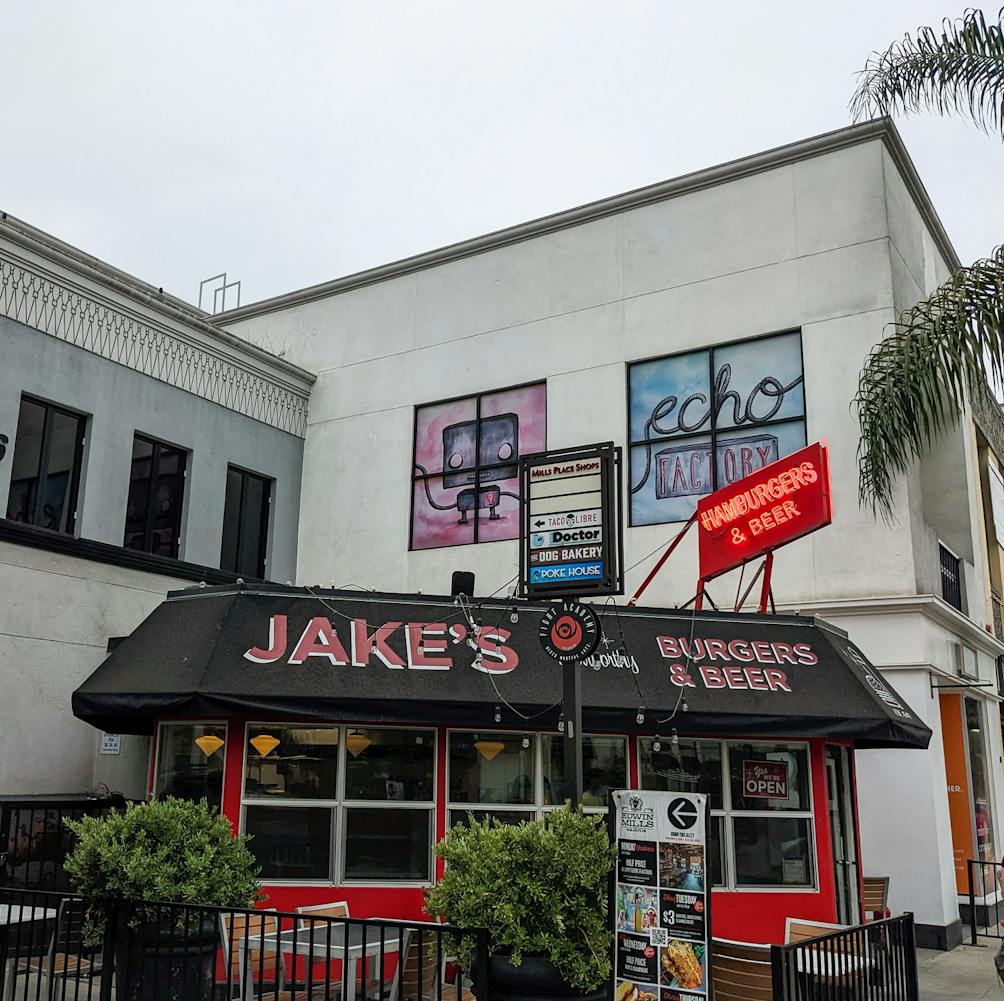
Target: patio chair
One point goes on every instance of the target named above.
(420, 974)
(833, 964)
(66, 958)
(875, 895)
(339, 909)
(741, 971)
(245, 966)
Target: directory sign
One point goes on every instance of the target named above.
(571, 523)
(662, 897)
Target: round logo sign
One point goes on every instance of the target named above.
(569, 631)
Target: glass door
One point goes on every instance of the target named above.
(843, 835)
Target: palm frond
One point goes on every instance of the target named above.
(959, 71)
(914, 382)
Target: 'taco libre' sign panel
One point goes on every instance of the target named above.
(761, 512)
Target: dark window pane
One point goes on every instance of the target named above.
(290, 843)
(27, 462)
(772, 851)
(387, 843)
(231, 520)
(250, 556)
(156, 489)
(389, 764)
(689, 766)
(190, 762)
(716, 850)
(491, 768)
(785, 770)
(61, 469)
(503, 816)
(287, 762)
(604, 767)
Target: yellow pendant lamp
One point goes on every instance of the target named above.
(356, 743)
(489, 749)
(209, 744)
(264, 744)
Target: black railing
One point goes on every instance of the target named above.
(986, 883)
(58, 946)
(876, 961)
(34, 840)
(951, 578)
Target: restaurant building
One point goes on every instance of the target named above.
(707, 325)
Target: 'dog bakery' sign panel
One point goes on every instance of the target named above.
(662, 919)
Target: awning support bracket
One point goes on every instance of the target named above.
(961, 684)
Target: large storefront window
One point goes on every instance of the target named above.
(742, 404)
(330, 803)
(761, 831)
(980, 782)
(190, 760)
(518, 776)
(466, 459)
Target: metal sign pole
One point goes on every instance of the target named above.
(572, 704)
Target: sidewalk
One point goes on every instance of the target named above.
(965, 974)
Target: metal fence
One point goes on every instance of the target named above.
(59, 947)
(34, 840)
(986, 884)
(872, 962)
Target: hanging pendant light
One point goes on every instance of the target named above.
(209, 744)
(264, 744)
(356, 743)
(489, 749)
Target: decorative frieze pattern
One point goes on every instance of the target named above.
(42, 301)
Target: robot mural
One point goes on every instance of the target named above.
(466, 466)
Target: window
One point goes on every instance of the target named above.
(743, 403)
(45, 475)
(245, 523)
(190, 760)
(761, 830)
(156, 489)
(519, 776)
(951, 577)
(465, 484)
(329, 803)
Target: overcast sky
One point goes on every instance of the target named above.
(292, 143)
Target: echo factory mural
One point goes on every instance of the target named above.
(465, 478)
(743, 404)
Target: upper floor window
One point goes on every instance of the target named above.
(466, 464)
(743, 404)
(46, 467)
(245, 523)
(951, 576)
(156, 490)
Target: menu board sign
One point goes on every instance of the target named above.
(661, 908)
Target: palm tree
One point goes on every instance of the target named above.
(915, 381)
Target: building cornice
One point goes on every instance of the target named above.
(928, 605)
(880, 128)
(59, 291)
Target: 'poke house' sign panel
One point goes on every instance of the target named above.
(769, 508)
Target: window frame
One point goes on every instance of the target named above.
(538, 809)
(728, 814)
(339, 805)
(263, 528)
(712, 433)
(184, 453)
(426, 478)
(225, 724)
(76, 474)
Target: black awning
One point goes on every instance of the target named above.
(266, 651)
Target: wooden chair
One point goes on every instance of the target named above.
(875, 896)
(340, 909)
(834, 965)
(800, 929)
(741, 971)
(246, 965)
(66, 958)
(420, 974)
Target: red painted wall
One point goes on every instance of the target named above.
(745, 916)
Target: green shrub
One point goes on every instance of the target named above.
(539, 887)
(168, 850)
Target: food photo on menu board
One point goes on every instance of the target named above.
(661, 920)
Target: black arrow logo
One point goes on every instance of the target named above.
(682, 814)
(538, 524)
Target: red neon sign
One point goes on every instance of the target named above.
(770, 508)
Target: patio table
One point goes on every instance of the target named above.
(23, 933)
(298, 942)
